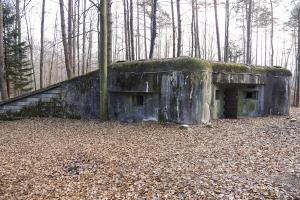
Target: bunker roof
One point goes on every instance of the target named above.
(161, 65)
(242, 68)
(194, 64)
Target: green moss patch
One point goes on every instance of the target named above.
(242, 68)
(174, 64)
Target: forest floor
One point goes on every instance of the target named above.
(70, 159)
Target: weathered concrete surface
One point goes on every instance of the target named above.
(181, 90)
(272, 87)
(166, 96)
(76, 98)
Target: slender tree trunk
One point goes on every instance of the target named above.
(197, 53)
(126, 31)
(74, 43)
(18, 21)
(145, 30)
(256, 46)
(42, 46)
(103, 62)
(266, 45)
(205, 29)
(227, 20)
(173, 29)
(78, 37)
(179, 42)
(249, 26)
(272, 34)
(131, 31)
(53, 51)
(138, 31)
(153, 28)
(83, 38)
(64, 39)
(217, 30)
(70, 31)
(191, 49)
(244, 33)
(298, 65)
(90, 46)
(109, 29)
(3, 86)
(116, 57)
(30, 43)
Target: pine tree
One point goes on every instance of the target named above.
(18, 69)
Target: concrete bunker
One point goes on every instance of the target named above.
(180, 90)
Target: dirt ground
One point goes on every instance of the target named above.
(70, 159)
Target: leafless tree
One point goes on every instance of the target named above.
(3, 86)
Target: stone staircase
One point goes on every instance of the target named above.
(46, 95)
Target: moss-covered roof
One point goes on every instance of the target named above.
(170, 64)
(194, 64)
(242, 68)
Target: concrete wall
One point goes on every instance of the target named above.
(182, 97)
(276, 95)
(76, 98)
(273, 94)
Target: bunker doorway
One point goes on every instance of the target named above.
(231, 102)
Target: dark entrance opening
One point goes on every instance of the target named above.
(231, 102)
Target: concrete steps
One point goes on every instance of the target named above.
(17, 104)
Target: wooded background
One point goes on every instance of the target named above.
(45, 42)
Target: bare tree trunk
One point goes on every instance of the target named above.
(131, 31)
(217, 30)
(64, 39)
(191, 48)
(90, 46)
(249, 26)
(205, 29)
(53, 51)
(153, 28)
(256, 46)
(227, 20)
(103, 62)
(266, 46)
(173, 29)
(18, 21)
(83, 37)
(298, 64)
(70, 31)
(138, 32)
(109, 29)
(74, 19)
(125, 31)
(116, 37)
(145, 30)
(42, 46)
(30, 43)
(128, 30)
(197, 53)
(78, 33)
(272, 34)
(3, 86)
(179, 42)
(244, 35)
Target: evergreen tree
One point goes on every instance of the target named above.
(18, 70)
